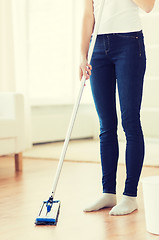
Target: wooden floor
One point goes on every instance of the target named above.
(21, 195)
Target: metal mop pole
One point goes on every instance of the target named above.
(76, 105)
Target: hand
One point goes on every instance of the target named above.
(85, 69)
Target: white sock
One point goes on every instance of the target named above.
(106, 200)
(126, 206)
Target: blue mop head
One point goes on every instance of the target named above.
(49, 213)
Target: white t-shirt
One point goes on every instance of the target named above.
(118, 16)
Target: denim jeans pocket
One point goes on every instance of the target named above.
(135, 37)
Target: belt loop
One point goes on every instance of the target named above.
(139, 33)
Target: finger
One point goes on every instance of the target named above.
(89, 66)
(85, 73)
(88, 72)
(87, 77)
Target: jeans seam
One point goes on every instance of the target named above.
(105, 50)
(140, 54)
(108, 43)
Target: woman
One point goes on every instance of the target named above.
(118, 57)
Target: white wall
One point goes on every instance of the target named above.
(50, 123)
(150, 107)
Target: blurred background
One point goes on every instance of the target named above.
(39, 57)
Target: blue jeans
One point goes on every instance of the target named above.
(119, 58)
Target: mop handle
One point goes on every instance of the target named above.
(76, 105)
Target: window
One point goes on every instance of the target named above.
(50, 35)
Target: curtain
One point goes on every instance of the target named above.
(13, 55)
(7, 74)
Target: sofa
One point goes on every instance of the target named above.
(12, 134)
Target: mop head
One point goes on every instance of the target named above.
(48, 213)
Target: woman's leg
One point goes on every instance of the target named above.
(103, 82)
(130, 71)
(103, 85)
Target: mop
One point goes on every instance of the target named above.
(49, 211)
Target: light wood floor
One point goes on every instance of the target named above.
(21, 195)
